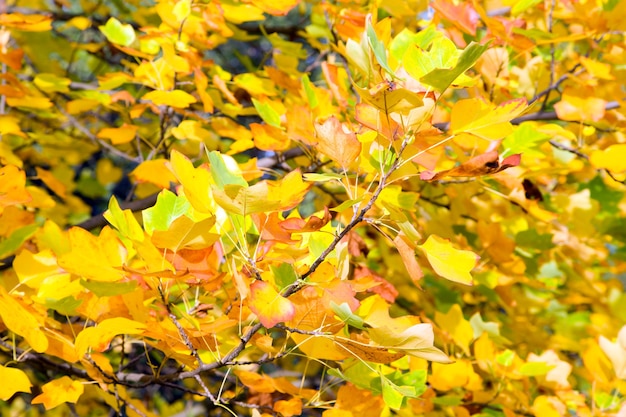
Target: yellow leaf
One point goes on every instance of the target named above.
(457, 327)
(547, 406)
(51, 83)
(270, 307)
(192, 130)
(28, 23)
(51, 182)
(182, 9)
(154, 171)
(19, 320)
(597, 364)
(597, 69)
(574, 107)
(59, 391)
(275, 7)
(119, 135)
(459, 374)
(176, 98)
(10, 125)
(98, 338)
(616, 351)
(97, 258)
(40, 103)
(612, 158)
(12, 187)
(81, 105)
(450, 263)
(479, 118)
(19, 382)
(107, 173)
(196, 182)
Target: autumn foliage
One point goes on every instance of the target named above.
(283, 208)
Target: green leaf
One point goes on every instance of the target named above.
(267, 113)
(407, 38)
(66, 306)
(506, 358)
(168, 208)
(419, 62)
(524, 139)
(284, 274)
(441, 78)
(491, 328)
(108, 289)
(221, 174)
(535, 368)
(347, 204)
(347, 316)
(310, 93)
(123, 221)
(394, 395)
(17, 238)
(378, 48)
(523, 5)
(118, 33)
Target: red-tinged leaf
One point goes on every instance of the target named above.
(60, 391)
(337, 142)
(270, 307)
(462, 15)
(485, 164)
(312, 224)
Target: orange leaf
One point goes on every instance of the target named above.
(407, 254)
(154, 171)
(312, 224)
(119, 135)
(462, 16)
(270, 307)
(59, 391)
(269, 138)
(337, 142)
(485, 164)
(289, 408)
(12, 187)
